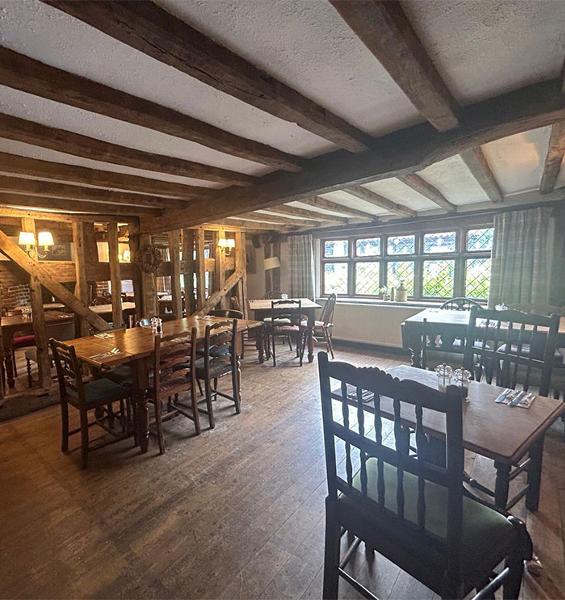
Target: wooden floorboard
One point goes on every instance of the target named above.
(237, 512)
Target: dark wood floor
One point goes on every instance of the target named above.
(234, 513)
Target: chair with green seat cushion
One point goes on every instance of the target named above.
(385, 494)
(98, 395)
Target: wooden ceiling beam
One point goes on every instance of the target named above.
(61, 204)
(28, 75)
(157, 33)
(553, 159)
(380, 201)
(399, 153)
(427, 190)
(319, 202)
(277, 219)
(33, 167)
(19, 213)
(251, 225)
(386, 31)
(477, 163)
(294, 211)
(37, 187)
(61, 140)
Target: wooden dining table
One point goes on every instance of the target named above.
(105, 310)
(500, 432)
(135, 346)
(23, 324)
(448, 323)
(262, 308)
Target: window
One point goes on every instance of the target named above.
(432, 265)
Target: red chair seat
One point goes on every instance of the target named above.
(287, 329)
(23, 340)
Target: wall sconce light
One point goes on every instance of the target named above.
(39, 247)
(226, 245)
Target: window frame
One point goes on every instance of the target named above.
(460, 256)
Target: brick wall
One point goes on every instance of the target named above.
(14, 286)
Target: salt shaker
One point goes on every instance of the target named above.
(462, 378)
(444, 373)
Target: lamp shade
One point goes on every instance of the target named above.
(230, 243)
(272, 262)
(45, 238)
(26, 238)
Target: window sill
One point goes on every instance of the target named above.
(387, 303)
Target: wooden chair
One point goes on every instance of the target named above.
(513, 349)
(413, 512)
(460, 303)
(273, 295)
(174, 375)
(98, 395)
(220, 359)
(322, 332)
(285, 322)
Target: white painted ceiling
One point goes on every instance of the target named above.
(481, 49)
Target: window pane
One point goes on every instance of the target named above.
(401, 271)
(367, 278)
(440, 242)
(335, 278)
(335, 248)
(401, 244)
(477, 278)
(438, 278)
(480, 239)
(368, 247)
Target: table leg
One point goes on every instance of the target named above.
(9, 362)
(140, 399)
(260, 343)
(502, 484)
(412, 341)
(310, 334)
(534, 476)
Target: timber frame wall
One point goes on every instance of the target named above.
(227, 271)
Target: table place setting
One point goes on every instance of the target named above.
(102, 355)
(518, 398)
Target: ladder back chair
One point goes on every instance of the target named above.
(174, 369)
(220, 358)
(460, 303)
(98, 395)
(385, 494)
(322, 330)
(285, 322)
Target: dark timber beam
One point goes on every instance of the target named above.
(34, 77)
(385, 30)
(36, 187)
(477, 163)
(319, 202)
(85, 206)
(427, 190)
(61, 140)
(58, 217)
(252, 225)
(380, 201)
(33, 167)
(294, 211)
(157, 33)
(398, 153)
(553, 159)
(278, 220)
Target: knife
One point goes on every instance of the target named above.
(517, 399)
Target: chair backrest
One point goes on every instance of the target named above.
(273, 295)
(69, 372)
(459, 304)
(327, 315)
(228, 313)
(364, 418)
(174, 364)
(289, 309)
(220, 334)
(511, 347)
(235, 303)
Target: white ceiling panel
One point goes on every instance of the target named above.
(341, 197)
(399, 192)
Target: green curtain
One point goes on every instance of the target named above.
(301, 266)
(522, 257)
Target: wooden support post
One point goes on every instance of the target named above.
(214, 298)
(267, 253)
(174, 254)
(188, 260)
(38, 315)
(220, 265)
(133, 242)
(200, 269)
(239, 261)
(81, 285)
(115, 276)
(148, 289)
(243, 260)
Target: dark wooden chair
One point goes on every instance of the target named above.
(227, 313)
(97, 395)
(459, 304)
(219, 359)
(386, 495)
(285, 322)
(513, 350)
(273, 295)
(174, 377)
(322, 332)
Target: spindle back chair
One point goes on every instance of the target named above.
(386, 494)
(285, 322)
(510, 347)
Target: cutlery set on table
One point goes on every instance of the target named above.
(522, 398)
